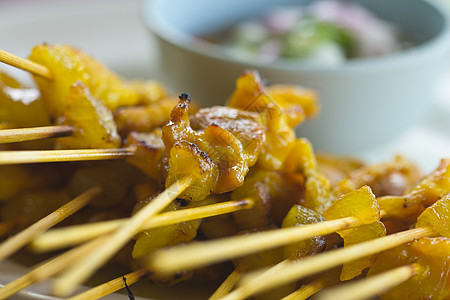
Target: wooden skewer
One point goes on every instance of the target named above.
(205, 253)
(16, 242)
(307, 290)
(229, 283)
(73, 235)
(49, 269)
(251, 275)
(42, 156)
(110, 286)
(78, 273)
(34, 133)
(370, 286)
(321, 262)
(25, 64)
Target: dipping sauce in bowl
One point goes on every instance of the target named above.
(323, 32)
(365, 101)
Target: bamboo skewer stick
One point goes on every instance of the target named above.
(78, 273)
(41, 156)
(307, 290)
(251, 275)
(370, 286)
(202, 254)
(34, 133)
(49, 269)
(327, 260)
(229, 283)
(25, 64)
(16, 242)
(73, 235)
(110, 286)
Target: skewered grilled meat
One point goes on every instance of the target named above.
(93, 123)
(218, 154)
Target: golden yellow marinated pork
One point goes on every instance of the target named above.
(337, 168)
(437, 216)
(282, 108)
(93, 123)
(245, 126)
(187, 160)
(68, 65)
(144, 118)
(432, 254)
(318, 193)
(219, 226)
(299, 216)
(433, 260)
(149, 154)
(216, 158)
(432, 188)
(150, 240)
(274, 193)
(298, 103)
(362, 205)
(392, 178)
(149, 91)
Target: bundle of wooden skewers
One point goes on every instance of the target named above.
(226, 193)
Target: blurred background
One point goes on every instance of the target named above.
(112, 31)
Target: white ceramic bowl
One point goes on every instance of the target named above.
(364, 102)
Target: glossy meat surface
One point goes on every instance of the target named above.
(93, 123)
(361, 204)
(68, 65)
(299, 216)
(149, 155)
(144, 118)
(282, 108)
(432, 188)
(226, 152)
(432, 280)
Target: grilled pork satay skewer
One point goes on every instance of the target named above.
(95, 128)
(212, 159)
(324, 261)
(73, 235)
(111, 286)
(76, 274)
(68, 66)
(370, 286)
(200, 254)
(434, 186)
(194, 255)
(16, 242)
(433, 221)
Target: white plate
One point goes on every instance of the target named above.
(111, 31)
